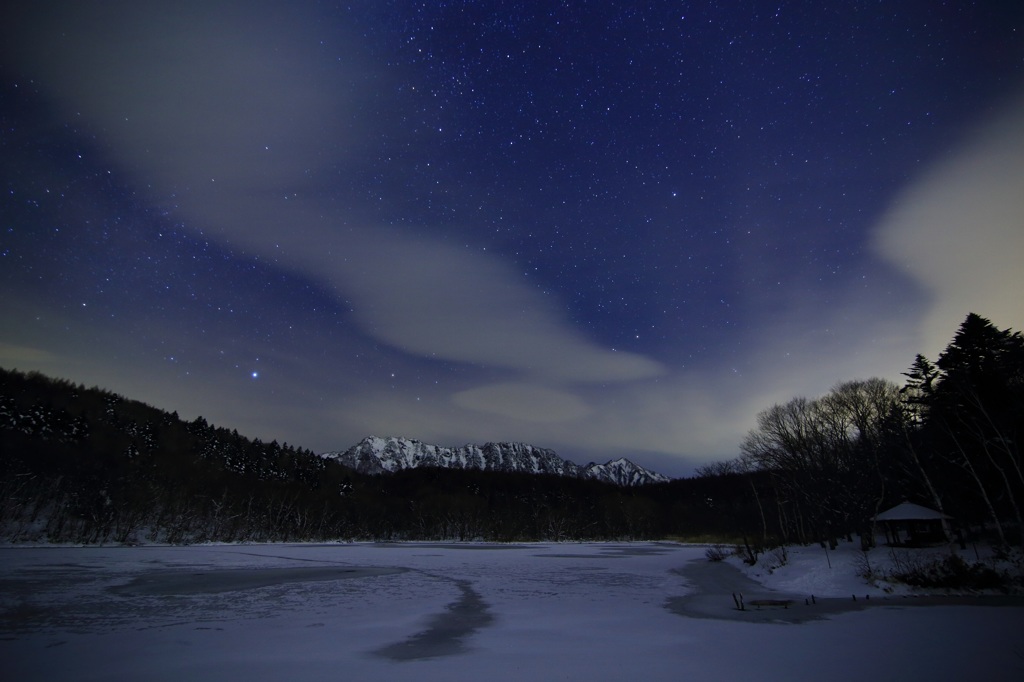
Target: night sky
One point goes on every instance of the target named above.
(607, 228)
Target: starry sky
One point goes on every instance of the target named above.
(607, 228)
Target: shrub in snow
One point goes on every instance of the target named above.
(950, 572)
(865, 570)
(716, 553)
(747, 553)
(776, 558)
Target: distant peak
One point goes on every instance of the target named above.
(388, 454)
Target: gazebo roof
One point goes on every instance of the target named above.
(908, 511)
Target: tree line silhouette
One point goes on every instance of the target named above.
(949, 438)
(86, 465)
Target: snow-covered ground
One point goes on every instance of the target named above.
(838, 573)
(471, 612)
(831, 573)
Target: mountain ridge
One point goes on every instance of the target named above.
(379, 455)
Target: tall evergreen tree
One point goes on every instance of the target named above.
(972, 414)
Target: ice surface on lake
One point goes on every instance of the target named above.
(453, 612)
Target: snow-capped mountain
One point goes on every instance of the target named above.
(623, 472)
(376, 455)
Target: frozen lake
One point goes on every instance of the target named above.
(637, 611)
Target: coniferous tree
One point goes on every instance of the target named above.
(975, 415)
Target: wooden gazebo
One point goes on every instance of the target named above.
(911, 524)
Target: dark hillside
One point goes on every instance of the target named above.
(86, 465)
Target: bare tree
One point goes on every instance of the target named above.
(825, 455)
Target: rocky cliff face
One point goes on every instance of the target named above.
(376, 455)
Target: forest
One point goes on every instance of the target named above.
(88, 466)
(84, 465)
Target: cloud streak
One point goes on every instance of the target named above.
(220, 112)
(958, 230)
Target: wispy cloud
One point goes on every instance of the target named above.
(222, 116)
(15, 356)
(958, 230)
(523, 401)
(222, 113)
